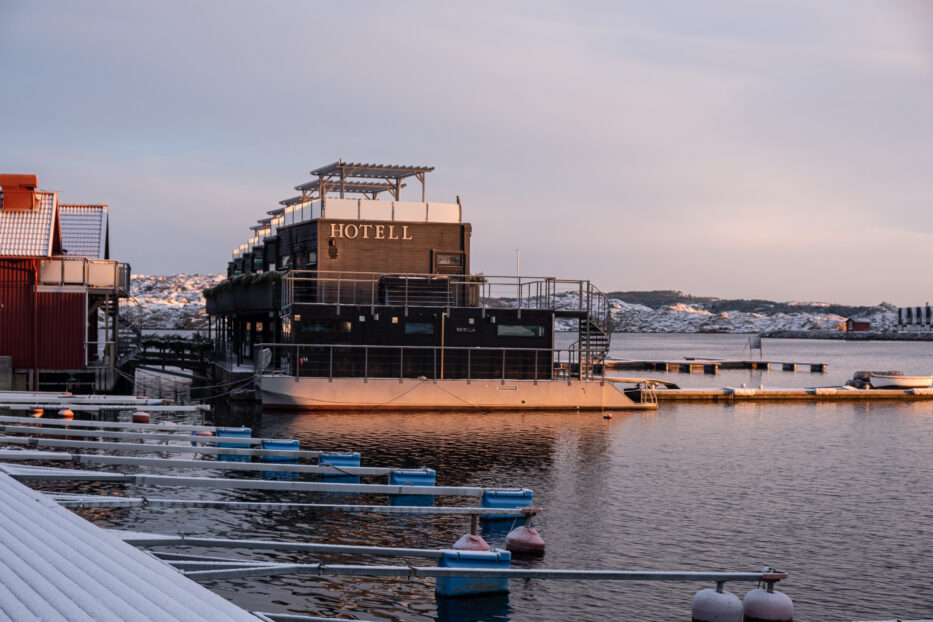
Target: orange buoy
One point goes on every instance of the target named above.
(140, 417)
(524, 540)
(37, 412)
(200, 433)
(470, 542)
(66, 413)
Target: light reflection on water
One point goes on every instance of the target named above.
(836, 494)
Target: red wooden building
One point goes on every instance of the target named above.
(59, 292)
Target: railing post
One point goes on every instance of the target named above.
(503, 364)
(331, 370)
(536, 366)
(401, 364)
(469, 365)
(365, 364)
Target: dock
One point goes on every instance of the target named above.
(779, 394)
(55, 565)
(711, 366)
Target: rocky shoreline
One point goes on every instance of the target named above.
(866, 335)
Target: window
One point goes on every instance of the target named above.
(523, 330)
(312, 258)
(449, 259)
(419, 328)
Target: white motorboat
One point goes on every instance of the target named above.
(895, 381)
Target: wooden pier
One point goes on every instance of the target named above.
(711, 366)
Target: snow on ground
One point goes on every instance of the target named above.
(173, 301)
(176, 301)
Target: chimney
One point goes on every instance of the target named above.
(19, 192)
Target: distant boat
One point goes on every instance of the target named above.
(893, 381)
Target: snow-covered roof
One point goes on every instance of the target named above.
(54, 565)
(30, 232)
(84, 230)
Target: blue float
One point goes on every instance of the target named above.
(234, 433)
(340, 460)
(506, 499)
(412, 477)
(280, 445)
(495, 559)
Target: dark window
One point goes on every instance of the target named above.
(523, 330)
(317, 327)
(419, 328)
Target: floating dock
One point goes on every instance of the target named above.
(779, 394)
(54, 565)
(711, 366)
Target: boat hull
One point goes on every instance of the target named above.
(884, 381)
(288, 392)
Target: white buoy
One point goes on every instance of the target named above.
(717, 605)
(768, 606)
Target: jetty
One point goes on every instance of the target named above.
(710, 366)
(781, 394)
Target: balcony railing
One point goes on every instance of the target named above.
(435, 290)
(93, 273)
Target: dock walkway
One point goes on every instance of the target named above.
(54, 565)
(779, 394)
(710, 366)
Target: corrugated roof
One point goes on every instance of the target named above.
(29, 233)
(84, 230)
(54, 565)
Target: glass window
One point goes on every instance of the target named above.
(449, 259)
(419, 328)
(523, 330)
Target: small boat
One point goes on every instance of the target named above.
(898, 381)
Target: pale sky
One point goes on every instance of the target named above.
(778, 150)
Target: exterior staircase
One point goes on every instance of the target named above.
(595, 333)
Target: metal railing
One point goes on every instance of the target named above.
(422, 362)
(441, 290)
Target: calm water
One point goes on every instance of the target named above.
(839, 495)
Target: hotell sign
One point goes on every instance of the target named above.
(368, 231)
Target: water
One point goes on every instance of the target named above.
(838, 495)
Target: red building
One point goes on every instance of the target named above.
(59, 292)
(858, 324)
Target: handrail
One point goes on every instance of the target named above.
(403, 361)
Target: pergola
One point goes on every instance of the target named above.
(359, 178)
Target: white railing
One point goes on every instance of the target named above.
(97, 273)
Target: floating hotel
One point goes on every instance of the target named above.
(347, 297)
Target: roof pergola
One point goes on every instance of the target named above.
(346, 177)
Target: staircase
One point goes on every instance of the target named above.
(595, 333)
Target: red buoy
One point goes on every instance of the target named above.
(470, 542)
(200, 433)
(524, 540)
(66, 413)
(140, 417)
(37, 412)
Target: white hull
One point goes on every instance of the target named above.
(884, 381)
(412, 394)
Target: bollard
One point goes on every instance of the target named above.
(413, 477)
(459, 586)
(506, 499)
(282, 445)
(233, 433)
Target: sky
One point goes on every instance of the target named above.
(773, 149)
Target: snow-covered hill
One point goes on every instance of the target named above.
(173, 301)
(176, 302)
